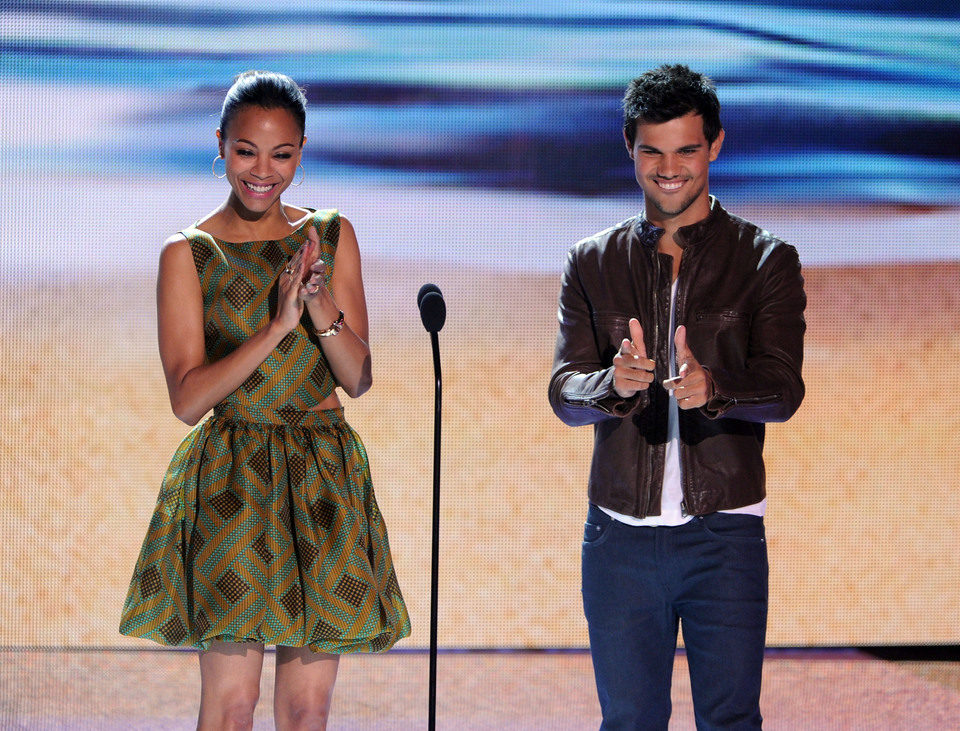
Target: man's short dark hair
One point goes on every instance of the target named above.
(668, 92)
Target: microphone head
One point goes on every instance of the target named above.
(433, 311)
(424, 290)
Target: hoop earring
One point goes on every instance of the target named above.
(302, 177)
(213, 166)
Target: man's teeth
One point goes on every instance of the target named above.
(671, 186)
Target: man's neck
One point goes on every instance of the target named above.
(672, 224)
(700, 210)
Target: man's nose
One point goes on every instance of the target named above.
(668, 167)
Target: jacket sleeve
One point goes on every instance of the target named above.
(581, 385)
(769, 387)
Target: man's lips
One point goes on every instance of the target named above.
(670, 185)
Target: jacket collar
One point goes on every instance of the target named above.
(692, 235)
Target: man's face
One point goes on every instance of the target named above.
(672, 164)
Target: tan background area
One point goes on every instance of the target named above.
(862, 481)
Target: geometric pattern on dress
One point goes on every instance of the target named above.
(232, 586)
(150, 582)
(291, 415)
(239, 293)
(351, 590)
(324, 513)
(308, 552)
(266, 528)
(296, 469)
(173, 631)
(288, 342)
(259, 462)
(292, 601)
(273, 254)
(253, 382)
(211, 336)
(226, 503)
(261, 548)
(238, 281)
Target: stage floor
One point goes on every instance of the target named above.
(157, 689)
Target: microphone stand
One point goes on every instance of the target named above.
(435, 547)
(433, 313)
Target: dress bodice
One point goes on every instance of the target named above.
(239, 285)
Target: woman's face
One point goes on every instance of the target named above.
(262, 150)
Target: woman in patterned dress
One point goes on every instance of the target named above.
(266, 530)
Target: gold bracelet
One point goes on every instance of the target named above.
(334, 329)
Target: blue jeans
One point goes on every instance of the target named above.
(640, 583)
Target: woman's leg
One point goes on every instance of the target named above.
(304, 688)
(229, 685)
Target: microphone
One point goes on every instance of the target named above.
(433, 313)
(433, 310)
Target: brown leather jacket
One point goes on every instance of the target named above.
(740, 295)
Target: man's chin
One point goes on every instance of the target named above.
(673, 208)
(672, 211)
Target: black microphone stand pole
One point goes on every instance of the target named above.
(435, 548)
(433, 313)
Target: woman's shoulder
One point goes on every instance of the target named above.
(179, 241)
(191, 238)
(193, 245)
(327, 222)
(321, 216)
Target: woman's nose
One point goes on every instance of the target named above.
(261, 167)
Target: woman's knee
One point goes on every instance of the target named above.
(229, 706)
(305, 712)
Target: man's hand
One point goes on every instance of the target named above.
(632, 369)
(692, 387)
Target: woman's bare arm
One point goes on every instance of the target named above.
(194, 385)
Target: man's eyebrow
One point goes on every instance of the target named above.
(691, 146)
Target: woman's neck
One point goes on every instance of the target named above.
(234, 222)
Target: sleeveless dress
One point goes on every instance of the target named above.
(266, 528)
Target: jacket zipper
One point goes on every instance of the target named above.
(757, 399)
(585, 401)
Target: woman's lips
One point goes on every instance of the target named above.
(259, 189)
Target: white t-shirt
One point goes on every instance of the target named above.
(671, 499)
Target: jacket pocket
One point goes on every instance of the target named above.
(610, 328)
(720, 338)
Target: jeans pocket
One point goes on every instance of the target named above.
(597, 526)
(744, 530)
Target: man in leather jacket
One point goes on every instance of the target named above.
(680, 336)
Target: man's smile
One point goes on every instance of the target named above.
(669, 185)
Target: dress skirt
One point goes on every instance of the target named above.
(267, 530)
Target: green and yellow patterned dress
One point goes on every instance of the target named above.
(266, 528)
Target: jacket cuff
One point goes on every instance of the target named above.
(614, 403)
(717, 403)
(603, 398)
